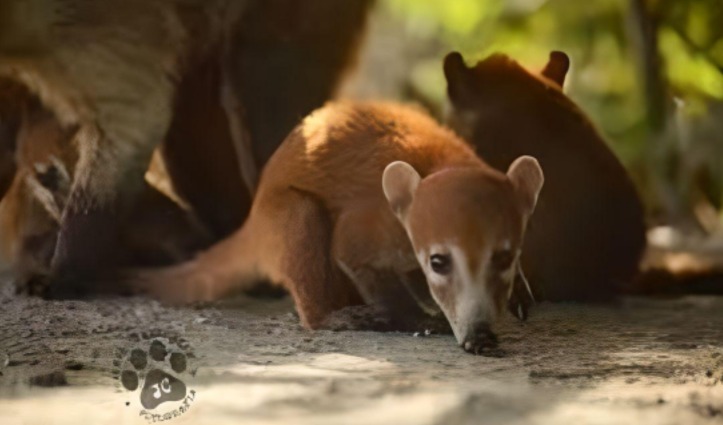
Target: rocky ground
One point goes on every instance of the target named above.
(644, 361)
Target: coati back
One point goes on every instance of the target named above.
(587, 235)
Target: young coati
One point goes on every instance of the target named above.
(358, 198)
(156, 232)
(588, 234)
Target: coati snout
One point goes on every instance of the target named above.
(466, 226)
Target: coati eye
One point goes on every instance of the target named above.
(441, 264)
(502, 259)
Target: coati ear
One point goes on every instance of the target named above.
(458, 77)
(557, 67)
(526, 176)
(400, 181)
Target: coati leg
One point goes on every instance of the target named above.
(156, 232)
(401, 298)
(287, 238)
(236, 116)
(390, 307)
(199, 152)
(159, 232)
(88, 235)
(108, 178)
(317, 284)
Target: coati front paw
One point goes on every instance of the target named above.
(32, 284)
(482, 341)
(435, 324)
(48, 285)
(378, 319)
(358, 318)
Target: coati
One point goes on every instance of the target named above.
(588, 233)
(285, 59)
(156, 232)
(356, 199)
(123, 71)
(109, 68)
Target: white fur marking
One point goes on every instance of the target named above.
(473, 301)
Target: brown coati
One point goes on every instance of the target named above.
(156, 232)
(358, 198)
(588, 233)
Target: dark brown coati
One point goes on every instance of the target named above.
(588, 233)
(128, 76)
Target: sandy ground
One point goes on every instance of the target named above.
(644, 361)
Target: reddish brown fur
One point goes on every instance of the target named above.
(321, 216)
(502, 217)
(587, 235)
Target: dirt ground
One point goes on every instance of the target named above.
(643, 361)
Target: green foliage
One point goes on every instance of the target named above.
(605, 77)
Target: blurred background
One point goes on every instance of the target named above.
(649, 74)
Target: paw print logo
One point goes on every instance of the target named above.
(155, 372)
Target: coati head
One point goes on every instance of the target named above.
(498, 73)
(497, 102)
(466, 226)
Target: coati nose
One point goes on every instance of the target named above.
(479, 339)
